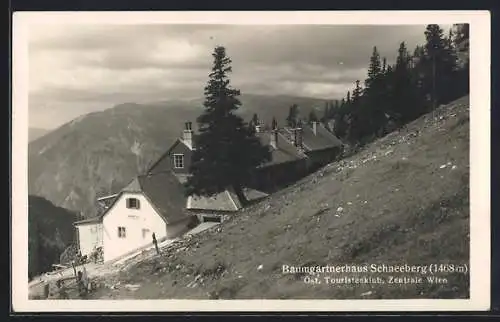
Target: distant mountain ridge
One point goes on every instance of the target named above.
(100, 152)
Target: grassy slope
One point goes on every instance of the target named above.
(399, 206)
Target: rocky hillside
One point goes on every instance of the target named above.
(100, 152)
(50, 231)
(404, 199)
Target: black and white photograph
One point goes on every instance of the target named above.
(293, 158)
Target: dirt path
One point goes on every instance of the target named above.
(100, 272)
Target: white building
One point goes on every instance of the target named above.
(149, 204)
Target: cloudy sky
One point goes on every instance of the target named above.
(77, 69)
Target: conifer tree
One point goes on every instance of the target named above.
(227, 150)
(402, 106)
(439, 66)
(326, 113)
(375, 69)
(340, 118)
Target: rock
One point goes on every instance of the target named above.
(260, 267)
(132, 287)
(340, 209)
(349, 203)
(442, 166)
(453, 167)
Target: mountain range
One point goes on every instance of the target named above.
(98, 153)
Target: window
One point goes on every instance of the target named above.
(178, 161)
(121, 232)
(145, 233)
(133, 203)
(211, 219)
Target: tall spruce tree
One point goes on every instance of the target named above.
(374, 92)
(359, 124)
(375, 68)
(227, 150)
(326, 113)
(340, 118)
(403, 107)
(439, 66)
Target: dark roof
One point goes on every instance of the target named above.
(162, 189)
(323, 139)
(166, 153)
(166, 194)
(223, 201)
(93, 220)
(285, 151)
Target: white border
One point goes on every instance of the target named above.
(479, 156)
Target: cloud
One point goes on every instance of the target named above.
(105, 65)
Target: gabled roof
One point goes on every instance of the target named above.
(133, 186)
(164, 192)
(166, 153)
(285, 151)
(223, 201)
(93, 220)
(177, 141)
(323, 139)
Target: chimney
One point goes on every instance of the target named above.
(274, 139)
(274, 136)
(315, 127)
(298, 137)
(187, 135)
(294, 136)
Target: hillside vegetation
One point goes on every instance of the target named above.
(402, 199)
(50, 231)
(101, 152)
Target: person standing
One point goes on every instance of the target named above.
(155, 242)
(63, 293)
